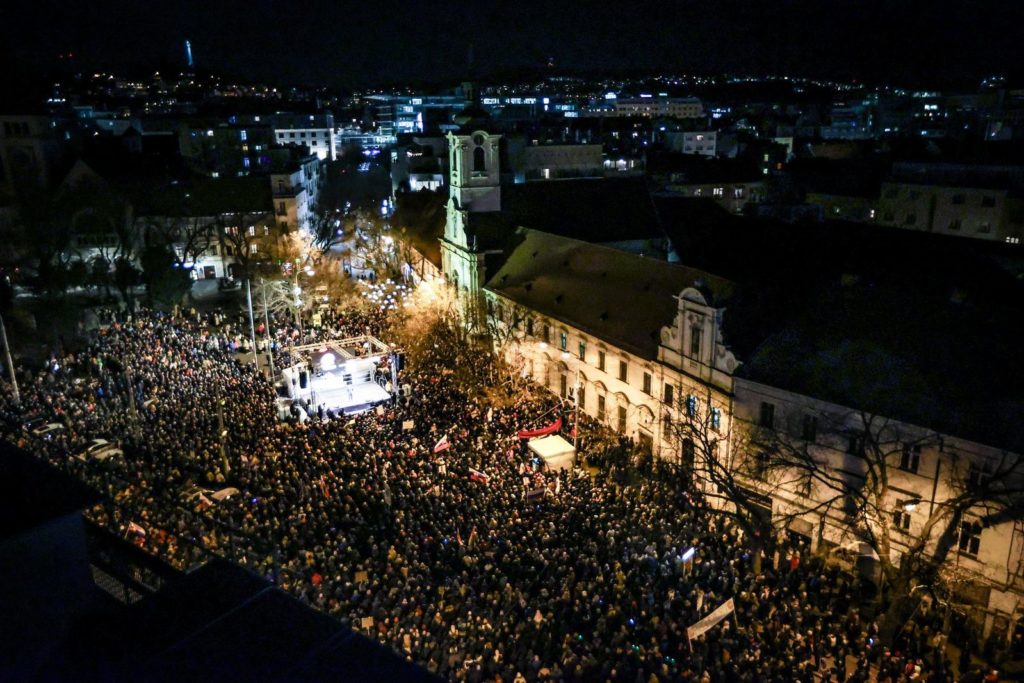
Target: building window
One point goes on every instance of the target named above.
(979, 473)
(563, 340)
(547, 333)
(600, 360)
(767, 416)
(600, 408)
(910, 219)
(529, 326)
(563, 386)
(583, 349)
(691, 406)
(623, 371)
(901, 519)
(985, 227)
(988, 202)
(581, 397)
(647, 383)
(243, 135)
(718, 191)
(621, 424)
(737, 193)
(910, 458)
(281, 209)
(479, 160)
(809, 432)
(855, 445)
(695, 335)
(716, 419)
(970, 538)
(670, 393)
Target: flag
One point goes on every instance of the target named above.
(134, 528)
(476, 475)
(442, 444)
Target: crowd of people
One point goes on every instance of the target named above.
(442, 553)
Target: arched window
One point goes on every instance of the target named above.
(479, 162)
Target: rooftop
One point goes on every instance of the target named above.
(619, 297)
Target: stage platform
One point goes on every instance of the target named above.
(348, 399)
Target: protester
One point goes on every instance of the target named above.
(445, 556)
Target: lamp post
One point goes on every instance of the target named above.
(576, 404)
(222, 434)
(10, 363)
(266, 320)
(252, 325)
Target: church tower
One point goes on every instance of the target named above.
(474, 188)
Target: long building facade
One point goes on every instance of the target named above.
(637, 343)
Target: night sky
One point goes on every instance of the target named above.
(343, 43)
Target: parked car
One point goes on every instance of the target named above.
(100, 451)
(197, 495)
(47, 430)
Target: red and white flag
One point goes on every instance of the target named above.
(477, 475)
(442, 444)
(134, 528)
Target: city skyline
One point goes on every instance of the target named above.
(350, 45)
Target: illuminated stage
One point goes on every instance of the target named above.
(347, 375)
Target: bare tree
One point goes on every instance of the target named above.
(330, 229)
(246, 236)
(187, 238)
(858, 465)
(721, 481)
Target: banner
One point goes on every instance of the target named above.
(543, 431)
(706, 624)
(407, 425)
(442, 444)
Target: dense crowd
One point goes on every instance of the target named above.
(449, 557)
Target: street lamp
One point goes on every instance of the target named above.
(10, 363)
(576, 404)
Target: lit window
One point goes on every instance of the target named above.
(716, 419)
(719, 191)
(600, 408)
(243, 136)
(691, 406)
(563, 341)
(622, 419)
(583, 350)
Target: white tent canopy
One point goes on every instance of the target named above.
(556, 452)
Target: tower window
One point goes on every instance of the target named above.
(479, 161)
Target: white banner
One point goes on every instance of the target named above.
(705, 624)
